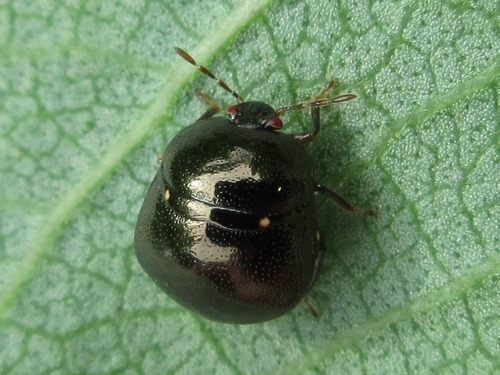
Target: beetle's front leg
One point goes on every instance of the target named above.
(315, 103)
(212, 109)
(309, 136)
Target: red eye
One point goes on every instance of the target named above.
(273, 123)
(232, 111)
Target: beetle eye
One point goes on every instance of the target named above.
(272, 123)
(233, 111)
(254, 115)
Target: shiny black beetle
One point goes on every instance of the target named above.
(228, 227)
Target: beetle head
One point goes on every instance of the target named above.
(255, 115)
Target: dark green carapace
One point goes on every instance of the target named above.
(228, 226)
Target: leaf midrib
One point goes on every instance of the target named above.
(135, 133)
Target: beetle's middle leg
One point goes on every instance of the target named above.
(342, 202)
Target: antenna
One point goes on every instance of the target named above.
(318, 100)
(316, 103)
(186, 56)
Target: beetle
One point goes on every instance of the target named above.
(228, 227)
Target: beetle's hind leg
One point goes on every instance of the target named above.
(342, 202)
(213, 107)
(312, 309)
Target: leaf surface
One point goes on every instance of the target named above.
(90, 94)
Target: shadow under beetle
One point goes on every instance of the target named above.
(228, 226)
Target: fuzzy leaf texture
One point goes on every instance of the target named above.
(90, 94)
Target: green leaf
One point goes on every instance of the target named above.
(90, 94)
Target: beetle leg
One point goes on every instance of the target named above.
(314, 312)
(342, 202)
(309, 136)
(213, 107)
(315, 103)
(324, 90)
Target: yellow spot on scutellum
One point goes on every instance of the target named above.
(167, 195)
(264, 222)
